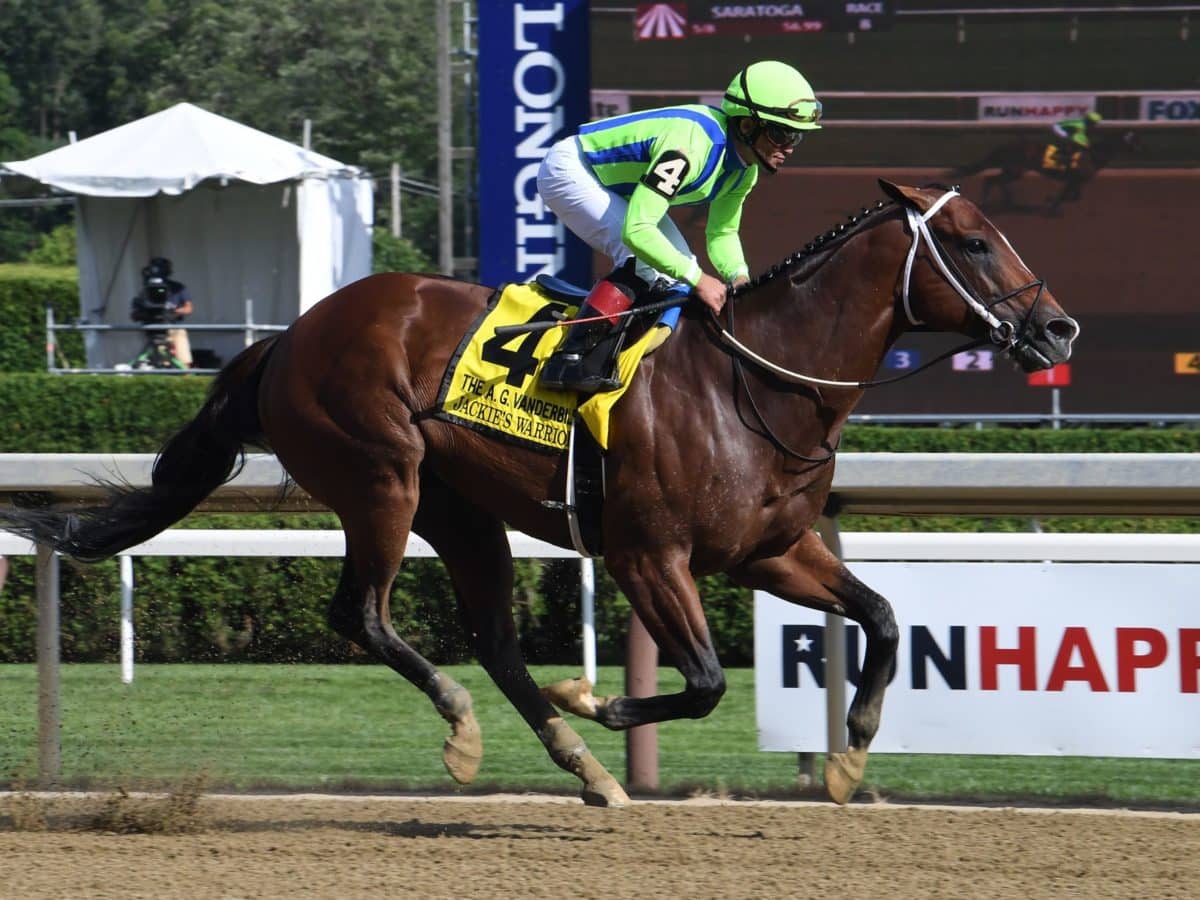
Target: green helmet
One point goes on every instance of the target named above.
(773, 92)
(1094, 116)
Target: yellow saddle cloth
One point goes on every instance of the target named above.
(492, 383)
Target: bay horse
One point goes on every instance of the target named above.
(1042, 156)
(720, 460)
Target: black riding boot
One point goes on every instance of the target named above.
(586, 359)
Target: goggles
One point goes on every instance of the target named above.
(781, 137)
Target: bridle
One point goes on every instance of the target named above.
(1002, 333)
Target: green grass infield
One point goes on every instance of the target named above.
(363, 728)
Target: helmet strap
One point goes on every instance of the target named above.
(751, 141)
(756, 132)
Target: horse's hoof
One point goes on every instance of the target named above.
(843, 773)
(573, 695)
(605, 792)
(463, 750)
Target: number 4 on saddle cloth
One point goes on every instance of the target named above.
(492, 386)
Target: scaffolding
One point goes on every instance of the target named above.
(457, 131)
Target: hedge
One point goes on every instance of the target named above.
(133, 414)
(94, 413)
(25, 292)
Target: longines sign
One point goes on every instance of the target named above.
(534, 79)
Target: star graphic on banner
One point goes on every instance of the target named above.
(804, 643)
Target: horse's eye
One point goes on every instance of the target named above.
(975, 245)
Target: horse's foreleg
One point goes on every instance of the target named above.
(810, 575)
(474, 547)
(665, 597)
(376, 536)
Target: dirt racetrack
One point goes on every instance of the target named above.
(515, 847)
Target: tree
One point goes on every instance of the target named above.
(357, 69)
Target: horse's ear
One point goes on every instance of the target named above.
(905, 196)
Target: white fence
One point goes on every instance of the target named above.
(302, 542)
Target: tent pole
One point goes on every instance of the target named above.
(396, 230)
(445, 185)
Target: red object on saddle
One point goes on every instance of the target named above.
(607, 299)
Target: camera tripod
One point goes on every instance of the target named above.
(157, 354)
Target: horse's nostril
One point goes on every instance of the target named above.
(1062, 329)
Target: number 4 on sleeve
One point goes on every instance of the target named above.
(667, 173)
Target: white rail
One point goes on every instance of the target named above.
(301, 542)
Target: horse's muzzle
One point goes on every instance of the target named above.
(1047, 344)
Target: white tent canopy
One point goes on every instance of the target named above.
(241, 214)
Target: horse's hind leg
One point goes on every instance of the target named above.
(474, 547)
(810, 575)
(376, 537)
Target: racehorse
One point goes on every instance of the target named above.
(1073, 168)
(720, 459)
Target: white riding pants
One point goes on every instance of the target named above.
(593, 212)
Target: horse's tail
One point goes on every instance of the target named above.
(201, 456)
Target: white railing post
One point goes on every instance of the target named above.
(249, 336)
(126, 619)
(51, 340)
(49, 748)
(587, 604)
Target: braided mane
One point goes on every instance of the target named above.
(823, 241)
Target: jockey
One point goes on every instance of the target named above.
(1076, 134)
(613, 183)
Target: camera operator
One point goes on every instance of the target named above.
(163, 300)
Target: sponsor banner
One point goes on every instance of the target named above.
(534, 76)
(1170, 108)
(1055, 376)
(1033, 107)
(1012, 658)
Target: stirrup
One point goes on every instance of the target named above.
(567, 371)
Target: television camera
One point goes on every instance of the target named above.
(151, 307)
